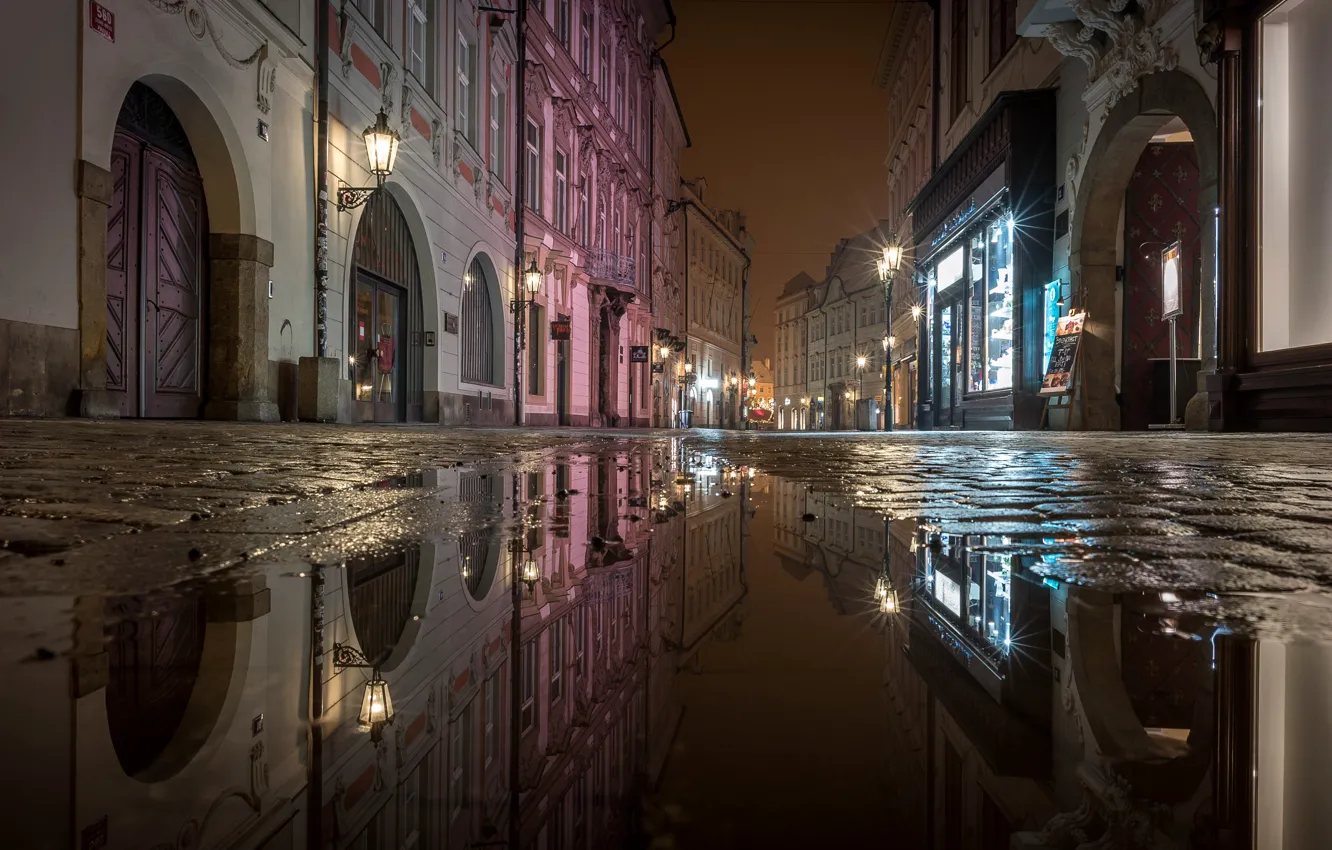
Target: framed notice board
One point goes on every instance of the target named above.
(1058, 378)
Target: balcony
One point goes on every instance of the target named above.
(606, 265)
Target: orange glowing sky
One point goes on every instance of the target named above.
(787, 126)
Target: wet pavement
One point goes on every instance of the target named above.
(723, 640)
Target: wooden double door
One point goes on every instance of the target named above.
(156, 274)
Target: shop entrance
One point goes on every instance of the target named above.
(948, 379)
(384, 334)
(378, 327)
(156, 264)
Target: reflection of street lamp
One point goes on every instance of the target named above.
(888, 266)
(376, 702)
(530, 573)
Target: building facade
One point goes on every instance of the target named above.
(791, 341)
(845, 322)
(717, 255)
(903, 71)
(587, 144)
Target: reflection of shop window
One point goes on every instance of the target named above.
(1296, 207)
(975, 588)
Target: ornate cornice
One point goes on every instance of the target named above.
(1118, 40)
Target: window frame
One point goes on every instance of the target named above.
(499, 130)
(533, 139)
(464, 88)
(561, 211)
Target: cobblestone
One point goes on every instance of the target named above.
(123, 504)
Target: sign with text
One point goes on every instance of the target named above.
(659, 368)
(1171, 303)
(102, 21)
(1063, 355)
(638, 354)
(560, 330)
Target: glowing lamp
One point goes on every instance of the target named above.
(532, 277)
(888, 604)
(376, 706)
(530, 573)
(381, 147)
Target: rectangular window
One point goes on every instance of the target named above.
(533, 166)
(421, 42)
(376, 12)
(615, 245)
(959, 42)
(1295, 209)
(584, 215)
(631, 128)
(619, 95)
(529, 688)
(585, 41)
(466, 90)
(499, 125)
(562, 21)
(535, 362)
(460, 749)
(557, 661)
(580, 641)
(603, 74)
(415, 815)
(1003, 29)
(492, 737)
(999, 305)
(561, 221)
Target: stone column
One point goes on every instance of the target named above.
(95, 188)
(238, 329)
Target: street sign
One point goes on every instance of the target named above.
(638, 354)
(560, 330)
(102, 21)
(659, 368)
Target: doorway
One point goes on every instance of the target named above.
(156, 264)
(379, 322)
(947, 344)
(562, 378)
(387, 358)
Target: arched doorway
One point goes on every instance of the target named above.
(387, 323)
(1150, 180)
(157, 264)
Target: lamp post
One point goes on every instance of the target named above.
(376, 702)
(525, 294)
(888, 266)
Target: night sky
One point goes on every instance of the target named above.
(787, 126)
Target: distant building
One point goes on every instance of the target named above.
(718, 248)
(789, 392)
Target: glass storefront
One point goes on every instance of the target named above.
(972, 589)
(1295, 189)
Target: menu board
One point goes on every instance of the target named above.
(1170, 300)
(1059, 373)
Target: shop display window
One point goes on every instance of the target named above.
(975, 588)
(1295, 192)
(999, 293)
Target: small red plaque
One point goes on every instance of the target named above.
(102, 20)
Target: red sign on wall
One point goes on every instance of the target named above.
(102, 20)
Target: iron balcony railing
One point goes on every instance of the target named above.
(607, 265)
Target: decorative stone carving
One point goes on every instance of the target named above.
(387, 74)
(1073, 169)
(1118, 44)
(258, 774)
(200, 23)
(406, 119)
(436, 140)
(267, 81)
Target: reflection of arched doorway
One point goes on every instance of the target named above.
(387, 324)
(1098, 247)
(157, 264)
(383, 589)
(155, 649)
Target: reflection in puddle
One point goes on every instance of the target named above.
(643, 646)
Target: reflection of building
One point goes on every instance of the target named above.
(827, 534)
(712, 582)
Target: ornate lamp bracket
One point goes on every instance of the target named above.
(351, 197)
(345, 656)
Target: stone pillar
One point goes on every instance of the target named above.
(1096, 383)
(95, 188)
(238, 329)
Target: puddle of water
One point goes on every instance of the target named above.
(651, 648)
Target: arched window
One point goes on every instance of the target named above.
(478, 327)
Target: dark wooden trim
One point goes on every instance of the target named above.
(1235, 745)
(1305, 355)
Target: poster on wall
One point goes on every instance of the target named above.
(1171, 305)
(1063, 355)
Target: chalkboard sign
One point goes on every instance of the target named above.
(1059, 374)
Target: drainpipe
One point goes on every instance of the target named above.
(322, 13)
(515, 663)
(520, 216)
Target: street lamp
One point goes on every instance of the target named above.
(376, 702)
(381, 149)
(888, 266)
(523, 295)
